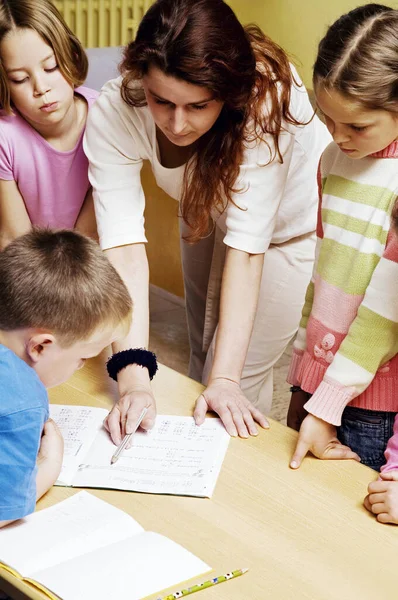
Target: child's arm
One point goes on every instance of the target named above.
(22, 479)
(300, 343)
(391, 452)
(371, 341)
(296, 412)
(14, 219)
(49, 459)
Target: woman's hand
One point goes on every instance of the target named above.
(226, 398)
(135, 395)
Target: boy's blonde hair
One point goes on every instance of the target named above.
(359, 57)
(62, 282)
(45, 19)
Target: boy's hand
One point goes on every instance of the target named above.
(296, 412)
(382, 499)
(49, 458)
(51, 445)
(319, 438)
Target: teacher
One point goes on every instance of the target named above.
(229, 131)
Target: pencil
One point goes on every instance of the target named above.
(204, 585)
(127, 438)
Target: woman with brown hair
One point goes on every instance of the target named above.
(229, 131)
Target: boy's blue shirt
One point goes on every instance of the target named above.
(23, 412)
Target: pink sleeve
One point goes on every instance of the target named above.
(294, 367)
(6, 169)
(391, 452)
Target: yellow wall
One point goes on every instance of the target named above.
(162, 230)
(297, 25)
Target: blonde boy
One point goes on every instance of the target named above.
(61, 302)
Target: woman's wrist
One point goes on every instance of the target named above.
(213, 379)
(132, 356)
(133, 378)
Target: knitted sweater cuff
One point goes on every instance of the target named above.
(294, 368)
(329, 401)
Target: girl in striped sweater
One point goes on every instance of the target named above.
(344, 368)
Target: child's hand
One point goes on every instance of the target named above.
(49, 458)
(51, 445)
(320, 438)
(382, 499)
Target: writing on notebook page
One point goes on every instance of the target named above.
(175, 457)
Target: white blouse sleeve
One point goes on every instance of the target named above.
(111, 147)
(250, 223)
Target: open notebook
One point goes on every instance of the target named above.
(86, 548)
(175, 457)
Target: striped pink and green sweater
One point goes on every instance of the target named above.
(347, 344)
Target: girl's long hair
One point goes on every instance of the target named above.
(203, 43)
(359, 57)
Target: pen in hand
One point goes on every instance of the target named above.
(127, 438)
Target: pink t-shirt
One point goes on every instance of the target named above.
(52, 183)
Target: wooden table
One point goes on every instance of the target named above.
(304, 534)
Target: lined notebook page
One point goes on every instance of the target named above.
(175, 457)
(68, 529)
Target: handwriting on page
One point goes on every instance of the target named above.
(74, 426)
(79, 426)
(175, 457)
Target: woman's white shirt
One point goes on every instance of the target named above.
(278, 200)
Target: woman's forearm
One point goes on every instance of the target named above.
(239, 298)
(132, 265)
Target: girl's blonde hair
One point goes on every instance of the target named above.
(359, 57)
(42, 16)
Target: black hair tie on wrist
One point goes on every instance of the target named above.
(133, 356)
(295, 388)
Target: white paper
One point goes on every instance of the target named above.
(68, 529)
(175, 457)
(79, 425)
(131, 569)
(85, 548)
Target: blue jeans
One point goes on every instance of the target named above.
(367, 432)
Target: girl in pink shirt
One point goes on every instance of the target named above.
(43, 169)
